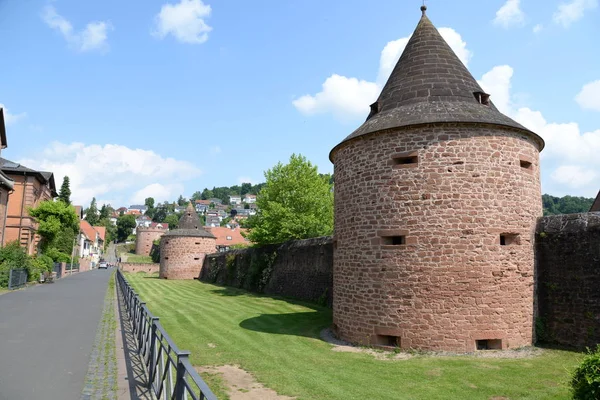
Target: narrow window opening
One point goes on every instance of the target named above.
(489, 344)
(526, 164)
(509, 239)
(196, 258)
(374, 110)
(393, 240)
(166, 258)
(197, 242)
(482, 98)
(388, 340)
(405, 160)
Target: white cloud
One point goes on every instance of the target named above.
(573, 11)
(93, 37)
(9, 118)
(538, 28)
(497, 83)
(510, 14)
(343, 97)
(349, 98)
(113, 171)
(570, 159)
(185, 21)
(215, 150)
(245, 179)
(157, 191)
(589, 97)
(574, 176)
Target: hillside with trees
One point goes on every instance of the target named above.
(566, 205)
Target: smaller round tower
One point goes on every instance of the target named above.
(145, 238)
(182, 250)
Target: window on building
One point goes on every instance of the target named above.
(228, 237)
(482, 98)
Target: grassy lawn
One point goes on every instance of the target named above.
(137, 259)
(278, 342)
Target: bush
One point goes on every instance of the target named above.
(58, 256)
(585, 381)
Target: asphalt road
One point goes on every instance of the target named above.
(46, 337)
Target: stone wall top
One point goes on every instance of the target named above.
(569, 223)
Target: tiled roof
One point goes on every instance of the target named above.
(101, 231)
(11, 167)
(88, 230)
(430, 85)
(222, 233)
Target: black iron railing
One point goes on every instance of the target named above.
(170, 374)
(17, 278)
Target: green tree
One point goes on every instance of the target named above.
(565, 205)
(65, 191)
(111, 231)
(207, 194)
(295, 203)
(160, 213)
(125, 225)
(149, 202)
(105, 212)
(55, 217)
(172, 220)
(182, 201)
(246, 188)
(91, 215)
(196, 196)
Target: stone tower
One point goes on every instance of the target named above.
(182, 251)
(436, 198)
(145, 237)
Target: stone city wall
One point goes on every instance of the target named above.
(302, 269)
(568, 280)
(138, 267)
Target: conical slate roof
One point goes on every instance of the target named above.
(430, 84)
(189, 225)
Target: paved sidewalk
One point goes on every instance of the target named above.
(47, 334)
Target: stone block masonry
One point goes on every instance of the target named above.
(138, 267)
(181, 257)
(433, 242)
(568, 280)
(145, 238)
(301, 269)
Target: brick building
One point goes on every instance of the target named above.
(182, 251)
(436, 199)
(6, 184)
(30, 188)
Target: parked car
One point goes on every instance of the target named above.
(103, 264)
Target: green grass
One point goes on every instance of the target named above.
(278, 342)
(137, 259)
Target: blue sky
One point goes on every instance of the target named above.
(151, 98)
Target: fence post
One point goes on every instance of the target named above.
(141, 318)
(10, 274)
(179, 381)
(153, 356)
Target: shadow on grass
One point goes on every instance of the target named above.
(307, 324)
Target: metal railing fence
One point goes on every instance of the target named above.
(171, 376)
(58, 270)
(17, 278)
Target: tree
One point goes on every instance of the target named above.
(246, 188)
(197, 196)
(125, 225)
(105, 212)
(160, 213)
(182, 201)
(57, 225)
(207, 194)
(172, 220)
(149, 202)
(295, 203)
(65, 191)
(92, 213)
(566, 205)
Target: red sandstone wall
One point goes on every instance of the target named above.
(145, 238)
(181, 257)
(452, 282)
(131, 267)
